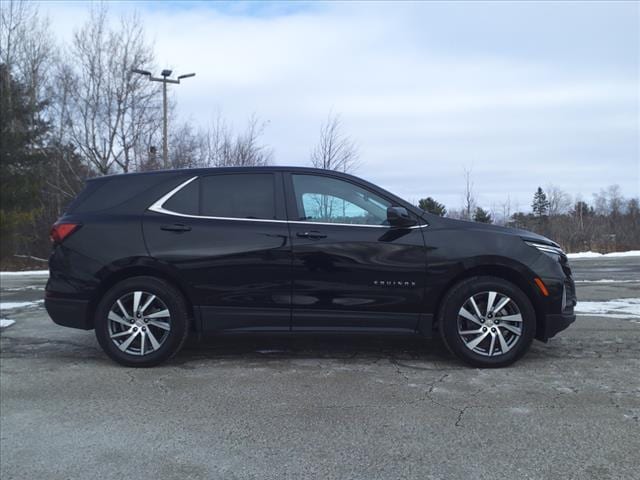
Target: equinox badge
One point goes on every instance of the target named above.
(394, 283)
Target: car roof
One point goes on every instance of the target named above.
(211, 170)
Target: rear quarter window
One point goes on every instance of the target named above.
(108, 193)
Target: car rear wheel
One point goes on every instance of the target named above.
(141, 322)
(487, 322)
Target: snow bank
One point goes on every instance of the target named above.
(14, 305)
(5, 322)
(584, 255)
(623, 307)
(25, 272)
(630, 253)
(607, 280)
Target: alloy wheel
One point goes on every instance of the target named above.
(139, 323)
(490, 323)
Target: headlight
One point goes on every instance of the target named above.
(548, 249)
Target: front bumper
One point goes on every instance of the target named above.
(562, 299)
(554, 323)
(68, 312)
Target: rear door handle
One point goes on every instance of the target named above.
(311, 234)
(176, 227)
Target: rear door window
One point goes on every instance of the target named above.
(243, 195)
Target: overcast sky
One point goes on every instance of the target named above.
(523, 94)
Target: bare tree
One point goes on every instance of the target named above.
(335, 150)
(36, 57)
(111, 111)
(222, 148)
(469, 201)
(217, 143)
(14, 16)
(247, 149)
(186, 146)
(559, 201)
(505, 210)
(616, 200)
(609, 201)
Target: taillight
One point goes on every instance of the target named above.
(60, 231)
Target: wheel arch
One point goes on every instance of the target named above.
(505, 272)
(114, 276)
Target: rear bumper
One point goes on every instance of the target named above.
(68, 312)
(554, 323)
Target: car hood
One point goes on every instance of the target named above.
(486, 227)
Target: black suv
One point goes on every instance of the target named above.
(147, 258)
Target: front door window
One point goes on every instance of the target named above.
(330, 200)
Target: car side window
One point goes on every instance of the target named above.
(238, 196)
(331, 200)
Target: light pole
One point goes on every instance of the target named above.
(164, 79)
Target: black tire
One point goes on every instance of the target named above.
(456, 298)
(175, 337)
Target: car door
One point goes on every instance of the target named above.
(351, 270)
(226, 236)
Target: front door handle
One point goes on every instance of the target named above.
(176, 227)
(311, 234)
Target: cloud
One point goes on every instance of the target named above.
(526, 94)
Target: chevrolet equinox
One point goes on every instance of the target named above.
(147, 258)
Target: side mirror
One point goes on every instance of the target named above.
(399, 217)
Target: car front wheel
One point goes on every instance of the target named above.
(141, 322)
(487, 321)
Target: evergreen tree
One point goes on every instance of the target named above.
(540, 205)
(581, 210)
(432, 206)
(22, 159)
(482, 216)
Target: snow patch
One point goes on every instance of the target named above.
(619, 308)
(520, 410)
(607, 280)
(14, 305)
(630, 253)
(5, 322)
(590, 254)
(25, 272)
(22, 289)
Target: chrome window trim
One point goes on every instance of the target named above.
(158, 207)
(340, 224)
(352, 224)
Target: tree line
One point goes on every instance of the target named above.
(608, 223)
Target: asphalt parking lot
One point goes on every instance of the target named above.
(326, 407)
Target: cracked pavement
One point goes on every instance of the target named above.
(326, 407)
